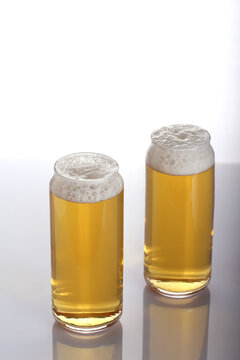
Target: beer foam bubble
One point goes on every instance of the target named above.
(86, 178)
(180, 150)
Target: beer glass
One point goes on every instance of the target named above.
(179, 210)
(86, 206)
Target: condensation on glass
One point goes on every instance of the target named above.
(179, 210)
(86, 206)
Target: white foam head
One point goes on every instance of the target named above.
(180, 150)
(86, 178)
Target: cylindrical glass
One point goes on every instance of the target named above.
(86, 205)
(179, 210)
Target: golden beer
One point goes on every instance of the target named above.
(87, 243)
(179, 215)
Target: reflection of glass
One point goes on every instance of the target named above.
(106, 345)
(175, 329)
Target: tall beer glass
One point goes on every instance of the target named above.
(86, 203)
(179, 210)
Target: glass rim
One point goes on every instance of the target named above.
(181, 148)
(113, 167)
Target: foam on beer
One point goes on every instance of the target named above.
(180, 150)
(86, 178)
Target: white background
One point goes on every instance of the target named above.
(101, 75)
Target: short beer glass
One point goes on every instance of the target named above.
(179, 210)
(86, 206)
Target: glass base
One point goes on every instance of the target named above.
(177, 289)
(87, 325)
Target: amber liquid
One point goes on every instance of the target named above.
(178, 231)
(87, 261)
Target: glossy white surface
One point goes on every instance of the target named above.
(152, 327)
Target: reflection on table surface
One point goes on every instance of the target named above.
(175, 329)
(105, 345)
(168, 329)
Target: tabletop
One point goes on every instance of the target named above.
(206, 326)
